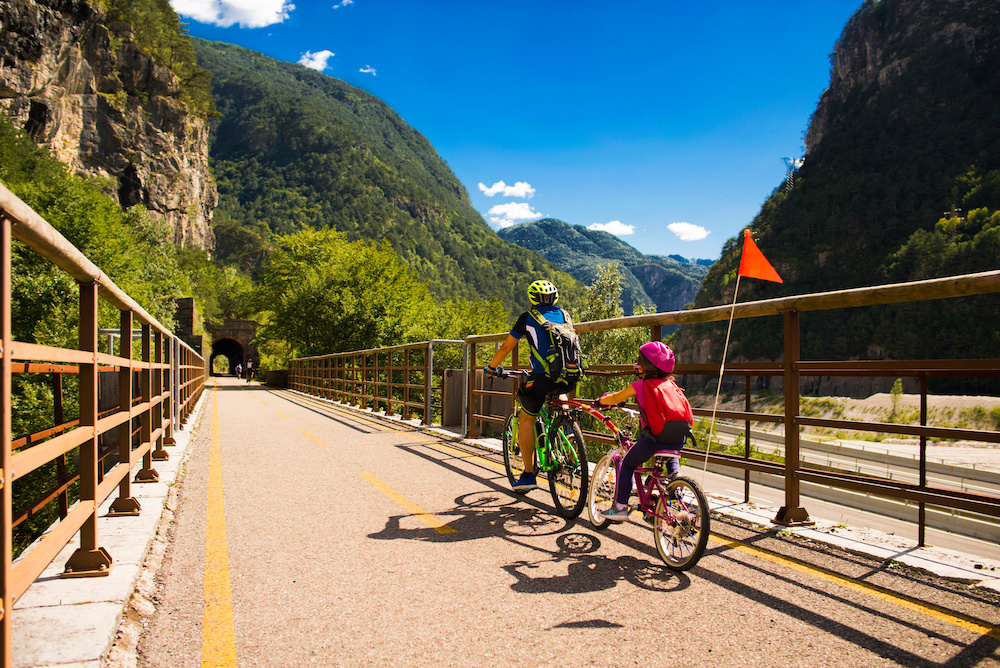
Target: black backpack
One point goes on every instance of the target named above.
(564, 361)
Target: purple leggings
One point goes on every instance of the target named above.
(634, 458)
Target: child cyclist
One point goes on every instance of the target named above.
(658, 397)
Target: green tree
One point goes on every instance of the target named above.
(617, 346)
(324, 294)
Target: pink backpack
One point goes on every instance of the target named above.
(665, 411)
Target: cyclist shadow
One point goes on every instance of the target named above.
(587, 572)
(496, 514)
(477, 515)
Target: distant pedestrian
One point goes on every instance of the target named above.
(239, 370)
(249, 369)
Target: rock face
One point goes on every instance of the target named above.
(882, 41)
(104, 108)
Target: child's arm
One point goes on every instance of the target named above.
(617, 397)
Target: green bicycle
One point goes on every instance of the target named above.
(560, 451)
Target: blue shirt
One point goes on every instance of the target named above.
(538, 338)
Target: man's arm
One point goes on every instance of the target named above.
(502, 353)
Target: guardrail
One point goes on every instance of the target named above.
(118, 428)
(380, 378)
(791, 369)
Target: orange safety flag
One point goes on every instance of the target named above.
(753, 264)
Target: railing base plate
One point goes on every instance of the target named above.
(793, 517)
(125, 507)
(88, 564)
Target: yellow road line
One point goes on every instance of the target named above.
(428, 519)
(280, 415)
(927, 609)
(218, 645)
(311, 437)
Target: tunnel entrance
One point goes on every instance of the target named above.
(234, 342)
(231, 350)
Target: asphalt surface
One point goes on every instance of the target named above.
(355, 541)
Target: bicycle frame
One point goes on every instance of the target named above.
(543, 442)
(645, 478)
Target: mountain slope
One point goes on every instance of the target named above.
(297, 149)
(901, 181)
(651, 280)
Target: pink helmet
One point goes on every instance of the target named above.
(659, 355)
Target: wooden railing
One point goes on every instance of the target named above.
(120, 425)
(399, 380)
(791, 369)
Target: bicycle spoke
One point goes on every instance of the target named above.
(681, 524)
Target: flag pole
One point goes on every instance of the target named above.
(722, 370)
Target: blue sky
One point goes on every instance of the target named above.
(664, 122)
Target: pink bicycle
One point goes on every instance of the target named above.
(675, 507)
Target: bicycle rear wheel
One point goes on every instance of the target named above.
(570, 472)
(602, 491)
(512, 460)
(682, 524)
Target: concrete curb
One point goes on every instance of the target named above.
(74, 622)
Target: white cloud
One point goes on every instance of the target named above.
(343, 4)
(224, 13)
(688, 232)
(520, 189)
(368, 69)
(316, 61)
(512, 213)
(615, 227)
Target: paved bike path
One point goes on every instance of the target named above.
(355, 541)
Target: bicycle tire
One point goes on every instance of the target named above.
(602, 491)
(512, 460)
(682, 524)
(570, 469)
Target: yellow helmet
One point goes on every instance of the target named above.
(542, 292)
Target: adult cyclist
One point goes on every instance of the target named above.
(534, 388)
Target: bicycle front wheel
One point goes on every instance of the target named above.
(570, 472)
(682, 524)
(512, 460)
(602, 491)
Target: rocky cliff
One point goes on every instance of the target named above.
(81, 86)
(886, 41)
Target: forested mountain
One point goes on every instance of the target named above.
(295, 149)
(901, 181)
(664, 283)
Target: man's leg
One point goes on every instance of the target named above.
(526, 440)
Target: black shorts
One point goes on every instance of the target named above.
(535, 388)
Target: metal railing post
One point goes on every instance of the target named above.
(921, 507)
(125, 504)
(175, 376)
(428, 383)
(470, 426)
(89, 559)
(6, 512)
(791, 513)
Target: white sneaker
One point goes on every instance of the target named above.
(617, 513)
